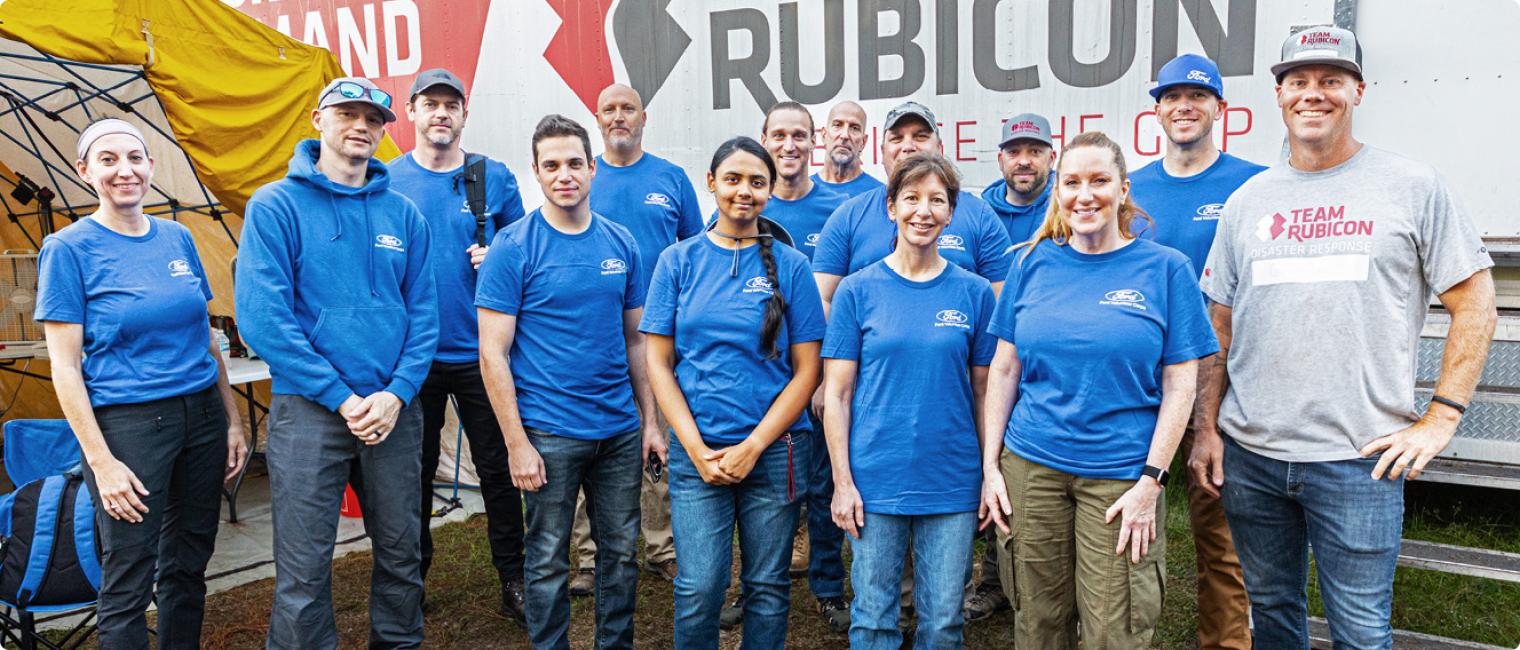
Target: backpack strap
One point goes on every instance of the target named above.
(48, 501)
(84, 535)
(475, 193)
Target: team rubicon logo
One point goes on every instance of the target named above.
(650, 40)
(1306, 224)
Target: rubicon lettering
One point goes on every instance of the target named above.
(1305, 224)
(614, 266)
(952, 318)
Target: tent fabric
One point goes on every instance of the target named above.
(237, 94)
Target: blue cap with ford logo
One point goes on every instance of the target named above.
(1189, 70)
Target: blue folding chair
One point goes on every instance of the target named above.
(36, 449)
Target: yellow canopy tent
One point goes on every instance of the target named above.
(221, 98)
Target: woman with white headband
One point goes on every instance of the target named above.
(122, 299)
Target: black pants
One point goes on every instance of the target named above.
(504, 510)
(177, 448)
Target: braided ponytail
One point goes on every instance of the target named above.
(775, 308)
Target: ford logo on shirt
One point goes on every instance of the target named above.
(656, 198)
(614, 266)
(178, 268)
(390, 242)
(1124, 298)
(812, 239)
(951, 317)
(1209, 212)
(951, 241)
(759, 284)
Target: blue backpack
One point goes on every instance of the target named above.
(49, 556)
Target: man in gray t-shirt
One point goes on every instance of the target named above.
(1322, 270)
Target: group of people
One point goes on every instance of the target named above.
(908, 361)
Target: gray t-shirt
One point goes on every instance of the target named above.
(1329, 275)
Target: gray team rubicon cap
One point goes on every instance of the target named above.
(910, 109)
(436, 77)
(1321, 45)
(1026, 126)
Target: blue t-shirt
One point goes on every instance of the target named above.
(441, 198)
(715, 317)
(1020, 220)
(142, 302)
(569, 292)
(653, 199)
(851, 188)
(1186, 209)
(860, 233)
(1093, 333)
(804, 218)
(913, 438)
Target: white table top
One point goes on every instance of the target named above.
(242, 370)
(36, 350)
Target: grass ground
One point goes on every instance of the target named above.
(463, 590)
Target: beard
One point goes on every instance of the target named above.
(441, 139)
(842, 158)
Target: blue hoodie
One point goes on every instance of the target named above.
(1020, 220)
(333, 286)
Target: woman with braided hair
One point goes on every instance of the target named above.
(907, 352)
(734, 323)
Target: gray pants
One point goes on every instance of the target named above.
(311, 455)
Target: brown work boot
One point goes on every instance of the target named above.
(582, 583)
(800, 553)
(666, 569)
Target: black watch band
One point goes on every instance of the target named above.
(1157, 473)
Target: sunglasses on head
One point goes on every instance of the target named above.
(353, 90)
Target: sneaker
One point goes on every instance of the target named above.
(836, 612)
(583, 583)
(983, 601)
(512, 602)
(732, 615)
(666, 570)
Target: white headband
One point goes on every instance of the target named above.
(103, 128)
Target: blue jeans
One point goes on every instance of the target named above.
(1277, 510)
(702, 519)
(941, 558)
(609, 472)
(311, 454)
(825, 539)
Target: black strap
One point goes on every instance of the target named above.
(475, 193)
(1460, 407)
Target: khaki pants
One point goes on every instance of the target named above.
(1224, 615)
(1065, 566)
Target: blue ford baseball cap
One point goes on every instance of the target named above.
(1189, 70)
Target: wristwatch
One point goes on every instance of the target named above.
(1157, 473)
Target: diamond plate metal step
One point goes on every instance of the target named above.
(1319, 637)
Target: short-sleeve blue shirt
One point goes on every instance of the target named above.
(445, 206)
(715, 318)
(1093, 333)
(1185, 209)
(913, 438)
(569, 358)
(653, 199)
(860, 233)
(142, 302)
(853, 187)
(803, 218)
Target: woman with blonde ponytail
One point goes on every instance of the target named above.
(1091, 385)
(733, 324)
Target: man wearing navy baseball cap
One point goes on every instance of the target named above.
(335, 292)
(1321, 275)
(465, 199)
(1184, 193)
